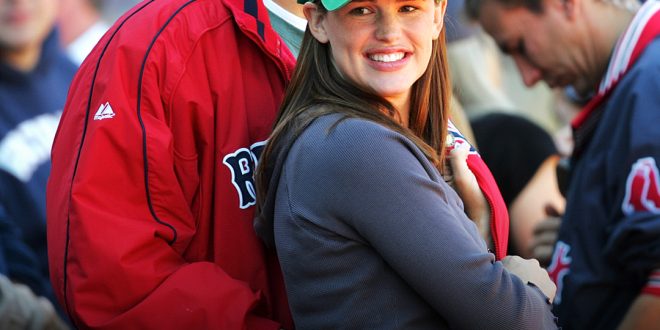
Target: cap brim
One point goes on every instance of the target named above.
(331, 5)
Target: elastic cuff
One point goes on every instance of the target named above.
(653, 285)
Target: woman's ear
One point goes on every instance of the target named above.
(438, 17)
(316, 21)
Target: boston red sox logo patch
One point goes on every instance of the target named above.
(242, 164)
(642, 188)
(559, 267)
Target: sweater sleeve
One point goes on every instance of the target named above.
(383, 187)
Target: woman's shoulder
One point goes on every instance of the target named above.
(337, 128)
(339, 140)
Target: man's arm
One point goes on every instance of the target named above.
(133, 235)
(634, 242)
(121, 233)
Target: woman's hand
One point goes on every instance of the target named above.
(530, 271)
(465, 184)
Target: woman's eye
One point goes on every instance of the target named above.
(360, 11)
(407, 9)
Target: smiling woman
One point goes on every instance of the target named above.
(383, 49)
(350, 189)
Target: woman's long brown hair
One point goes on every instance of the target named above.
(317, 89)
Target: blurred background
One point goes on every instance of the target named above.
(112, 9)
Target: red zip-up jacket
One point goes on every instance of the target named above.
(150, 195)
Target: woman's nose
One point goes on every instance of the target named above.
(388, 27)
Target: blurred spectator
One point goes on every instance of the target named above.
(492, 67)
(522, 157)
(475, 69)
(34, 79)
(80, 26)
(606, 262)
(22, 288)
(112, 9)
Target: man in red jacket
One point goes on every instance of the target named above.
(151, 197)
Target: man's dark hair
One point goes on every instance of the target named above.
(473, 7)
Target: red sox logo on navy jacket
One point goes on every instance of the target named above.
(559, 267)
(642, 195)
(242, 164)
(642, 188)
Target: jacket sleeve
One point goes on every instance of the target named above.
(634, 241)
(124, 198)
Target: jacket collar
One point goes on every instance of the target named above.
(644, 27)
(251, 16)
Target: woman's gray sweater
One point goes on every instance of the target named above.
(369, 236)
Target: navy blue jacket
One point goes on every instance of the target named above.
(609, 241)
(30, 107)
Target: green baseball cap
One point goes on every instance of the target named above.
(330, 5)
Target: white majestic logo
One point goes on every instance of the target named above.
(104, 112)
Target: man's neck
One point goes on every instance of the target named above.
(22, 60)
(291, 6)
(70, 29)
(607, 24)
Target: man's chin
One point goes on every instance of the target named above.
(554, 83)
(583, 88)
(559, 82)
